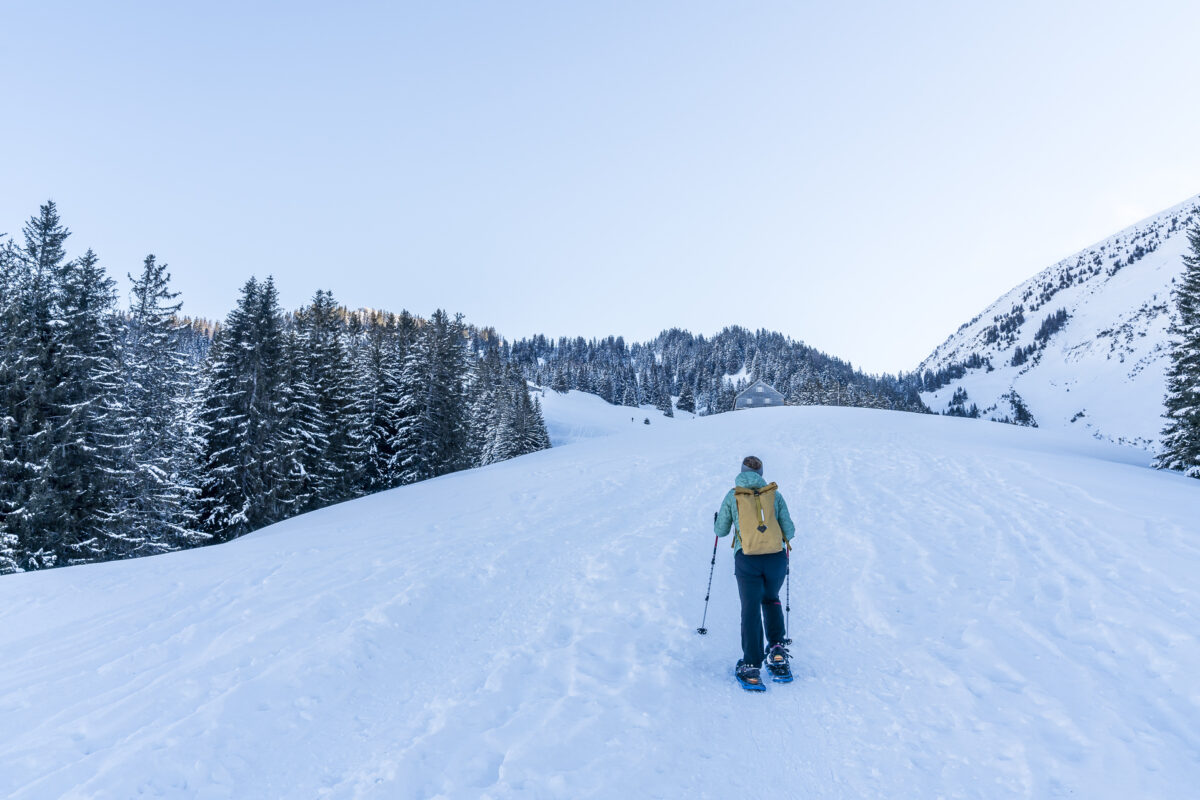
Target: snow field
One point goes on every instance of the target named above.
(574, 416)
(979, 611)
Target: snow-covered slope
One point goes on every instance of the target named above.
(978, 611)
(1103, 372)
(574, 415)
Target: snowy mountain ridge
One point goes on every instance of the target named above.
(1082, 345)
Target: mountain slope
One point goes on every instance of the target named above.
(573, 416)
(1103, 371)
(979, 611)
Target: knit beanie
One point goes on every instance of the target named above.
(753, 464)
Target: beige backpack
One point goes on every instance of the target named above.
(759, 530)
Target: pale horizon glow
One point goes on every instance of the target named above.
(861, 179)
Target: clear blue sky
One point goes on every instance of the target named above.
(864, 177)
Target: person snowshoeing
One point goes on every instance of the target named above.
(762, 533)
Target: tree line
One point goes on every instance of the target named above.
(129, 431)
(697, 369)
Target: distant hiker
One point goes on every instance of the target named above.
(762, 533)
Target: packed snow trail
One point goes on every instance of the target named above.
(978, 610)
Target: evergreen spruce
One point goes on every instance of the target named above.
(79, 495)
(159, 382)
(487, 405)
(726, 397)
(64, 443)
(630, 395)
(433, 437)
(381, 360)
(687, 400)
(10, 551)
(1180, 446)
(559, 382)
(10, 554)
(327, 409)
(509, 439)
(252, 458)
(10, 468)
(520, 427)
(33, 372)
(662, 392)
(537, 436)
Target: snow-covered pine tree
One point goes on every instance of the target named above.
(647, 391)
(1180, 446)
(726, 396)
(352, 445)
(251, 467)
(520, 427)
(704, 395)
(662, 391)
(394, 397)
(10, 553)
(536, 436)
(307, 430)
(381, 358)
(65, 443)
(508, 438)
(486, 406)
(687, 400)
(630, 396)
(413, 442)
(284, 468)
(327, 400)
(10, 550)
(368, 363)
(813, 392)
(159, 381)
(90, 461)
(10, 469)
(434, 432)
(31, 365)
(454, 424)
(559, 382)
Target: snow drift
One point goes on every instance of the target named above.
(978, 611)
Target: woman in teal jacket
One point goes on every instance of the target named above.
(759, 578)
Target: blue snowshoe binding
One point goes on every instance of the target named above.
(779, 663)
(748, 676)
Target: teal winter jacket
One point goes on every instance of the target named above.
(727, 517)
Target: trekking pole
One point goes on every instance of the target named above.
(787, 620)
(703, 630)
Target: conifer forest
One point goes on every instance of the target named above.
(129, 429)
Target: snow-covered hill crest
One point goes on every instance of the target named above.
(1082, 345)
(979, 611)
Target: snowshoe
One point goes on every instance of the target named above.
(748, 676)
(778, 664)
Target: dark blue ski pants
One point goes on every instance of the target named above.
(759, 580)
